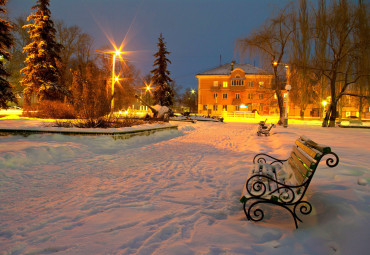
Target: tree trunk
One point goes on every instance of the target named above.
(340, 110)
(360, 109)
(333, 113)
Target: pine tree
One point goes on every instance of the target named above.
(41, 72)
(163, 93)
(6, 41)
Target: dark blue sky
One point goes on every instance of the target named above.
(197, 32)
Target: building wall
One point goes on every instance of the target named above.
(228, 92)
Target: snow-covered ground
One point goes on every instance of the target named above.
(175, 192)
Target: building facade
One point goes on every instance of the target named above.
(235, 87)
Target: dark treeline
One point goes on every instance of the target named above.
(326, 46)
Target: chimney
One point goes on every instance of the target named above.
(232, 65)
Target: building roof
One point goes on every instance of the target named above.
(226, 69)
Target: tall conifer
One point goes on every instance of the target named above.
(6, 41)
(41, 74)
(163, 93)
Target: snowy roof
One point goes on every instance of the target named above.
(226, 69)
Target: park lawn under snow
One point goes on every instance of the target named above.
(175, 192)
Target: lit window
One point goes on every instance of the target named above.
(224, 107)
(237, 95)
(250, 96)
(224, 84)
(215, 95)
(205, 107)
(237, 82)
(250, 84)
(224, 95)
(261, 83)
(215, 83)
(261, 107)
(260, 96)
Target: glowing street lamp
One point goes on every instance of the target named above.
(114, 77)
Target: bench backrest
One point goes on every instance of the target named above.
(305, 157)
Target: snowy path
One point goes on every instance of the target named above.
(173, 192)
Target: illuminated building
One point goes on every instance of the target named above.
(235, 87)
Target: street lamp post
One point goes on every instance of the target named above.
(114, 77)
(288, 87)
(324, 103)
(193, 100)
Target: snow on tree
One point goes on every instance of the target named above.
(163, 93)
(6, 41)
(41, 72)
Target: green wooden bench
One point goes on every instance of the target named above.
(284, 182)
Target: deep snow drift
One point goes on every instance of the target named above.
(175, 192)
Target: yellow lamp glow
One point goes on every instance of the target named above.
(324, 103)
(118, 52)
(275, 63)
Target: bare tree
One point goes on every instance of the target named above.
(321, 51)
(127, 86)
(301, 56)
(363, 65)
(270, 43)
(89, 92)
(68, 37)
(84, 51)
(343, 53)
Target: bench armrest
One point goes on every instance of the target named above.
(261, 158)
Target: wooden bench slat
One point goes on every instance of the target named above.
(301, 170)
(298, 176)
(308, 161)
(313, 154)
(320, 147)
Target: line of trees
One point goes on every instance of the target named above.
(326, 47)
(51, 63)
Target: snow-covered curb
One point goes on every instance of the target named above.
(28, 126)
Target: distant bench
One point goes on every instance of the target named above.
(284, 182)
